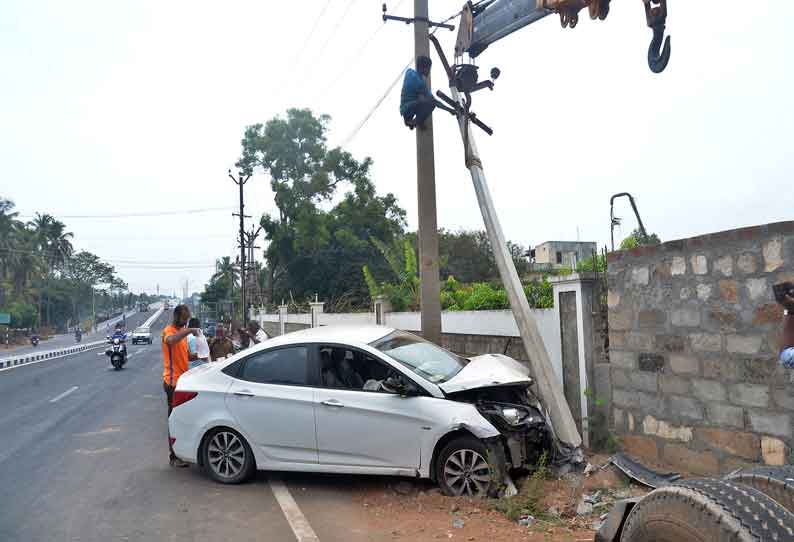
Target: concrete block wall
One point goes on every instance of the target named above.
(693, 347)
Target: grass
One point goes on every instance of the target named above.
(529, 500)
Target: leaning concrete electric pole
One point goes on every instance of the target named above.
(430, 302)
(548, 386)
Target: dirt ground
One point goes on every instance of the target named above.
(403, 510)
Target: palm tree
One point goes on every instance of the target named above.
(227, 271)
(54, 246)
(52, 239)
(8, 224)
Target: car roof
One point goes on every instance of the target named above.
(348, 334)
(139, 328)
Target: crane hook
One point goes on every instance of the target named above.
(658, 56)
(656, 17)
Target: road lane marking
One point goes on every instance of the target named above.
(64, 394)
(105, 431)
(297, 521)
(96, 452)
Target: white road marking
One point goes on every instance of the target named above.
(64, 394)
(297, 521)
(96, 452)
(104, 431)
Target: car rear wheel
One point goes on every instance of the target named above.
(227, 456)
(462, 468)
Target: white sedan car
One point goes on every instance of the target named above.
(360, 400)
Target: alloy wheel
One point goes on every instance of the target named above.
(226, 454)
(467, 473)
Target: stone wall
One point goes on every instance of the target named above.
(693, 344)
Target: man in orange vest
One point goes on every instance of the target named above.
(175, 361)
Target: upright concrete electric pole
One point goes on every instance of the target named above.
(430, 302)
(240, 182)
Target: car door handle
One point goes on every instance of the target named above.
(333, 403)
(244, 393)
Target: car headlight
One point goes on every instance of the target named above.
(513, 416)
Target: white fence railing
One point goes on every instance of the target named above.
(499, 323)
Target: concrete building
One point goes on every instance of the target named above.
(556, 254)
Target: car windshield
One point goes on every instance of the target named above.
(142, 330)
(422, 357)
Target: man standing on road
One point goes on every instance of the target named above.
(254, 334)
(221, 346)
(175, 361)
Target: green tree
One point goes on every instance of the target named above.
(637, 239)
(313, 249)
(467, 256)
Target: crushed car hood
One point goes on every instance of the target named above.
(487, 371)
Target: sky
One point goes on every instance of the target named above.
(114, 108)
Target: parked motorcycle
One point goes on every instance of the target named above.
(117, 352)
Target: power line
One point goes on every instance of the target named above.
(143, 215)
(356, 56)
(297, 59)
(369, 114)
(372, 110)
(335, 28)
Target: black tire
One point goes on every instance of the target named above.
(777, 483)
(468, 456)
(706, 510)
(238, 461)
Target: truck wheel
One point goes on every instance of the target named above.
(462, 469)
(777, 483)
(703, 510)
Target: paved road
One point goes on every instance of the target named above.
(83, 457)
(57, 341)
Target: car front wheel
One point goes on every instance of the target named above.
(462, 468)
(227, 456)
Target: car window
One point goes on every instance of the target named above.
(424, 358)
(282, 366)
(342, 367)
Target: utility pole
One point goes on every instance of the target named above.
(240, 182)
(250, 239)
(429, 298)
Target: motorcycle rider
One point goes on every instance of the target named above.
(122, 337)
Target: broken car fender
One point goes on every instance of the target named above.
(461, 416)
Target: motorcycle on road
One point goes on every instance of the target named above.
(117, 352)
(34, 340)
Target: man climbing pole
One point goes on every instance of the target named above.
(416, 100)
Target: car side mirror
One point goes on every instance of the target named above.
(401, 387)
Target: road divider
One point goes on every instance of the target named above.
(38, 357)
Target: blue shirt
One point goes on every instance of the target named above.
(413, 87)
(118, 334)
